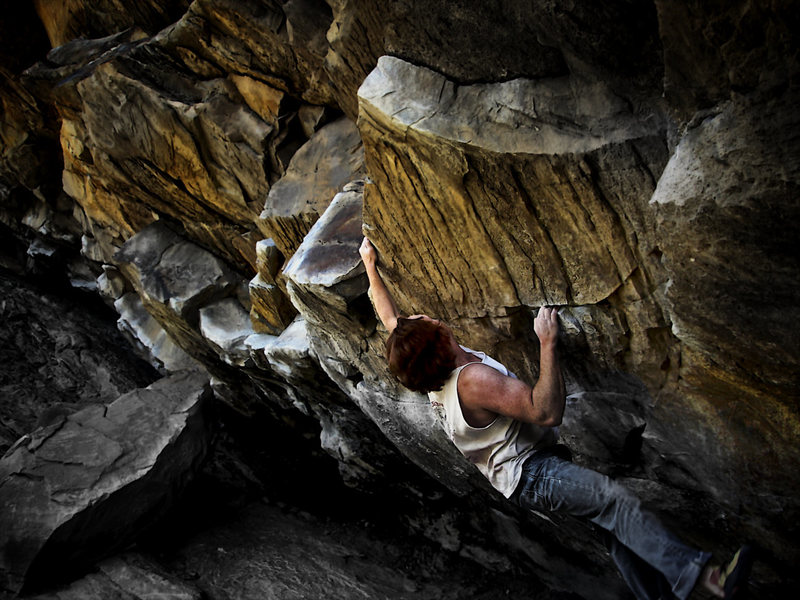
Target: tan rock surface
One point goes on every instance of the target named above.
(331, 157)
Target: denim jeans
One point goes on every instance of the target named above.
(652, 561)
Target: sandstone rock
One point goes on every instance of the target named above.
(710, 52)
(288, 353)
(271, 41)
(566, 236)
(326, 283)
(170, 271)
(202, 152)
(174, 279)
(513, 151)
(30, 157)
(498, 40)
(362, 454)
(72, 19)
(269, 260)
(721, 228)
(127, 576)
(312, 118)
(79, 489)
(271, 308)
(332, 157)
(272, 311)
(110, 283)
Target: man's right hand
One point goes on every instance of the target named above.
(384, 304)
(368, 253)
(546, 325)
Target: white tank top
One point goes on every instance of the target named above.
(500, 448)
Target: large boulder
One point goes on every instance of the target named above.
(126, 577)
(634, 163)
(327, 283)
(486, 202)
(89, 483)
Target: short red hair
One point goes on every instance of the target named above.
(420, 354)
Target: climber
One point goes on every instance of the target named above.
(508, 430)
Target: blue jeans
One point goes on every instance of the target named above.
(652, 561)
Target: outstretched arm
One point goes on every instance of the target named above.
(384, 303)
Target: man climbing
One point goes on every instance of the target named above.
(506, 428)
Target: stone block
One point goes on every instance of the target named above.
(316, 173)
(86, 486)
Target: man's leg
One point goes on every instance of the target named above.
(553, 484)
(643, 580)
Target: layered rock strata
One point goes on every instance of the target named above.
(635, 165)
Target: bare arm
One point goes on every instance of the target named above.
(485, 392)
(549, 392)
(384, 303)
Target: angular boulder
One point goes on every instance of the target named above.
(332, 157)
(174, 278)
(87, 485)
(326, 281)
(148, 337)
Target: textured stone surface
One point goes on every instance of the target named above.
(149, 337)
(88, 484)
(634, 163)
(55, 355)
(332, 157)
(446, 166)
(714, 50)
(72, 19)
(273, 41)
(266, 552)
(226, 325)
(125, 577)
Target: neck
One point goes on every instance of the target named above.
(463, 357)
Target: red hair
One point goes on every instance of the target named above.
(420, 354)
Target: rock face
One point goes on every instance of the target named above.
(57, 358)
(128, 576)
(210, 168)
(87, 484)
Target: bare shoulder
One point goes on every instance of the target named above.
(482, 388)
(478, 378)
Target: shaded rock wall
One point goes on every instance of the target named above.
(635, 164)
(55, 357)
(87, 483)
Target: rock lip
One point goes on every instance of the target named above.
(87, 485)
(551, 116)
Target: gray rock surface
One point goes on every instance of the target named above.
(54, 354)
(89, 483)
(124, 577)
(318, 170)
(272, 552)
